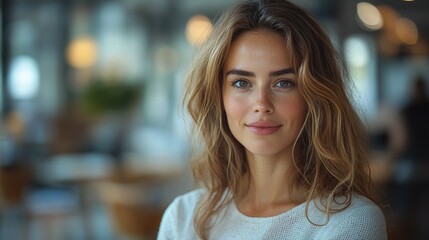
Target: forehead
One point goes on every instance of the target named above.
(258, 48)
(257, 34)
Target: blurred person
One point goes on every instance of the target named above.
(416, 120)
(408, 192)
(387, 139)
(283, 152)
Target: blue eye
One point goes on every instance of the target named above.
(285, 84)
(240, 84)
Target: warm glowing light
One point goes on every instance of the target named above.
(198, 29)
(82, 52)
(369, 15)
(407, 31)
(389, 15)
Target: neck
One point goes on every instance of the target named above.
(266, 190)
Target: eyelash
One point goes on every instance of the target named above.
(289, 82)
(234, 83)
(241, 81)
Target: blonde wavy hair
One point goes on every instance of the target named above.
(330, 153)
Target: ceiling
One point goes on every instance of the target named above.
(417, 11)
(341, 12)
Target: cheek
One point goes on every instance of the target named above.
(295, 108)
(234, 107)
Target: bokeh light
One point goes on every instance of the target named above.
(198, 29)
(24, 78)
(369, 15)
(82, 52)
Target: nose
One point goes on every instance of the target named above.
(264, 104)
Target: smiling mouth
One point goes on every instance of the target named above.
(263, 128)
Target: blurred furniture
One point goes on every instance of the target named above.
(133, 207)
(134, 193)
(53, 213)
(14, 181)
(77, 172)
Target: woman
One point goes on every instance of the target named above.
(284, 155)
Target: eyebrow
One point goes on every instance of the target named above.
(281, 72)
(251, 74)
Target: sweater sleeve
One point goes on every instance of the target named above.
(177, 221)
(366, 222)
(169, 222)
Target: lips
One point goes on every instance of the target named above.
(264, 127)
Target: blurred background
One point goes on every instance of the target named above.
(93, 140)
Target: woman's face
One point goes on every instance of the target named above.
(264, 108)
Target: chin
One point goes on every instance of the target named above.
(263, 151)
(268, 149)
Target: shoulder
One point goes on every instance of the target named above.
(363, 219)
(177, 221)
(184, 205)
(190, 199)
(363, 208)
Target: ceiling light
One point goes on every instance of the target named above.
(82, 52)
(406, 31)
(369, 15)
(198, 29)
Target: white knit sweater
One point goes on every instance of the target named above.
(361, 220)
